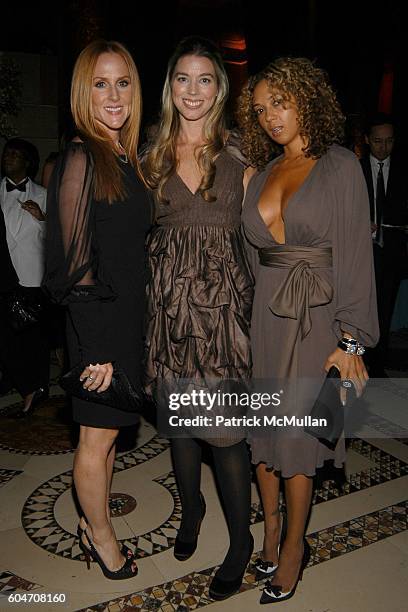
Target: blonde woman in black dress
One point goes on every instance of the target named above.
(97, 223)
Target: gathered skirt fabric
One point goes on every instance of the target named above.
(199, 306)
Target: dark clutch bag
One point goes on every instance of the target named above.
(22, 312)
(120, 393)
(328, 406)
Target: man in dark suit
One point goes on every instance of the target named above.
(387, 183)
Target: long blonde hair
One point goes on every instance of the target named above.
(108, 183)
(161, 157)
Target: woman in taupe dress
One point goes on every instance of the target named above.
(306, 220)
(200, 291)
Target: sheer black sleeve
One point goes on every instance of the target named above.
(72, 272)
(73, 275)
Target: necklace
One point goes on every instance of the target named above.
(123, 156)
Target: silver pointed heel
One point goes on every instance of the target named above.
(273, 593)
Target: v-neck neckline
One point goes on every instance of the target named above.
(181, 180)
(291, 197)
(192, 193)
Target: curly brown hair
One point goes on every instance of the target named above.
(320, 118)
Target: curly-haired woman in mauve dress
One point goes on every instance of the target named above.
(306, 220)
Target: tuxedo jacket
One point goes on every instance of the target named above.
(396, 201)
(396, 196)
(25, 234)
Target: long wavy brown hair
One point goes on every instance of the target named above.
(108, 176)
(321, 121)
(160, 161)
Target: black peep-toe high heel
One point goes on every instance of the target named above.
(126, 571)
(126, 552)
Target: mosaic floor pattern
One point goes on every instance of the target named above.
(42, 527)
(6, 475)
(40, 552)
(191, 591)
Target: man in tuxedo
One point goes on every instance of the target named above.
(387, 184)
(24, 355)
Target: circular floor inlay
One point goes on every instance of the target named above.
(121, 504)
(44, 529)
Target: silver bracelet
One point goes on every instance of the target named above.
(351, 346)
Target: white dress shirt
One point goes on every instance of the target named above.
(25, 234)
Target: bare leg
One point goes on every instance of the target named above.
(268, 483)
(109, 474)
(91, 482)
(298, 492)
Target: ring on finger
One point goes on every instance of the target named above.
(90, 377)
(347, 383)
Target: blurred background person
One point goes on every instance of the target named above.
(23, 204)
(387, 184)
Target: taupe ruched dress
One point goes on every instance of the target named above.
(306, 291)
(201, 287)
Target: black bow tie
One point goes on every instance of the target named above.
(11, 186)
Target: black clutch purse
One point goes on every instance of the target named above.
(120, 393)
(328, 406)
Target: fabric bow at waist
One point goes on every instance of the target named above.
(302, 288)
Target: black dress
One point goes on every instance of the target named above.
(96, 264)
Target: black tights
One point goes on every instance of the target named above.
(233, 473)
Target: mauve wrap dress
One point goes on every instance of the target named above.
(330, 209)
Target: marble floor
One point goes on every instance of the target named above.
(358, 532)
